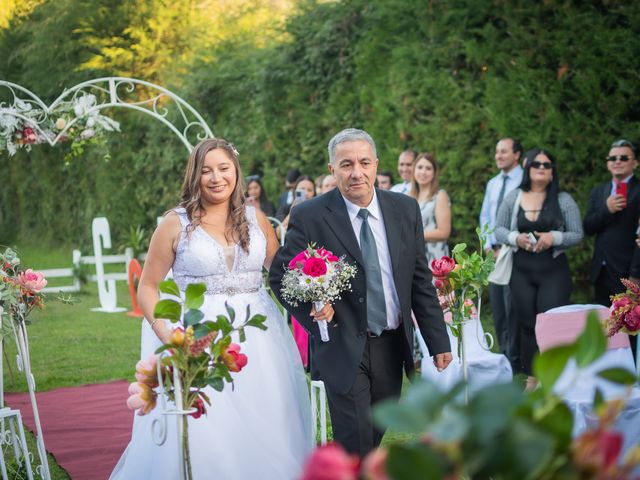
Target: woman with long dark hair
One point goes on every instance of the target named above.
(257, 197)
(546, 221)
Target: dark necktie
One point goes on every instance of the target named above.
(501, 194)
(376, 307)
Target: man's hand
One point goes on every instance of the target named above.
(325, 314)
(442, 360)
(615, 203)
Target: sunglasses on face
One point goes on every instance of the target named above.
(622, 158)
(545, 165)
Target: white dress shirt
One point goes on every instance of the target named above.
(376, 222)
(402, 187)
(491, 194)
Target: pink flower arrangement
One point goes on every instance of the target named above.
(624, 314)
(233, 359)
(32, 281)
(141, 398)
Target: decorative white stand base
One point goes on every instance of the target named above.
(17, 440)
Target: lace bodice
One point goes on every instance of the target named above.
(201, 259)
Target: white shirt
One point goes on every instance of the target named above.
(491, 194)
(402, 187)
(376, 222)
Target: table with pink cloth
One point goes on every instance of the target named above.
(577, 386)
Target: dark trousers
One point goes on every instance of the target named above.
(379, 377)
(504, 320)
(608, 283)
(539, 282)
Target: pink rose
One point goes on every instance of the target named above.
(596, 451)
(198, 404)
(374, 465)
(442, 267)
(146, 371)
(141, 398)
(330, 462)
(298, 260)
(326, 254)
(632, 320)
(314, 267)
(438, 284)
(29, 135)
(233, 359)
(31, 280)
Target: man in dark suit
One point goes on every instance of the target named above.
(613, 217)
(372, 336)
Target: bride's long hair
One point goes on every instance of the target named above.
(237, 227)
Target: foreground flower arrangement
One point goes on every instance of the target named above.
(20, 288)
(200, 353)
(502, 433)
(77, 121)
(317, 275)
(625, 310)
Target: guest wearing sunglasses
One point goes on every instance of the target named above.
(546, 222)
(612, 216)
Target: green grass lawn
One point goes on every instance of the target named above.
(71, 345)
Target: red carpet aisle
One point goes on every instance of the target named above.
(86, 428)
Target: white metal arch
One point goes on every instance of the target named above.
(131, 93)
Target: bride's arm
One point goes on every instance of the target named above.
(160, 257)
(270, 235)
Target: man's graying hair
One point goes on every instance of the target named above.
(349, 135)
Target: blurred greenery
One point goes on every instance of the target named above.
(278, 78)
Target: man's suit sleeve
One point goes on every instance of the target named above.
(424, 299)
(598, 215)
(295, 241)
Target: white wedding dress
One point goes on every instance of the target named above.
(259, 430)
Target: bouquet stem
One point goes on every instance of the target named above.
(322, 324)
(186, 458)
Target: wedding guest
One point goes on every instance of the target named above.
(328, 183)
(257, 197)
(318, 181)
(612, 216)
(212, 237)
(286, 198)
(384, 180)
(507, 157)
(547, 222)
(303, 189)
(435, 207)
(405, 166)
(362, 363)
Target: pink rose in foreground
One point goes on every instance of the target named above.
(324, 253)
(442, 267)
(29, 135)
(298, 260)
(146, 371)
(330, 462)
(198, 404)
(142, 398)
(233, 359)
(314, 267)
(597, 451)
(374, 465)
(438, 284)
(31, 280)
(632, 320)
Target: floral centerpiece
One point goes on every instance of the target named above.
(20, 288)
(317, 275)
(77, 121)
(625, 310)
(459, 281)
(200, 353)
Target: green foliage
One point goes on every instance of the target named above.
(445, 76)
(501, 432)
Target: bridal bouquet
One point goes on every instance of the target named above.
(625, 310)
(199, 354)
(317, 275)
(20, 288)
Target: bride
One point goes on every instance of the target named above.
(260, 428)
